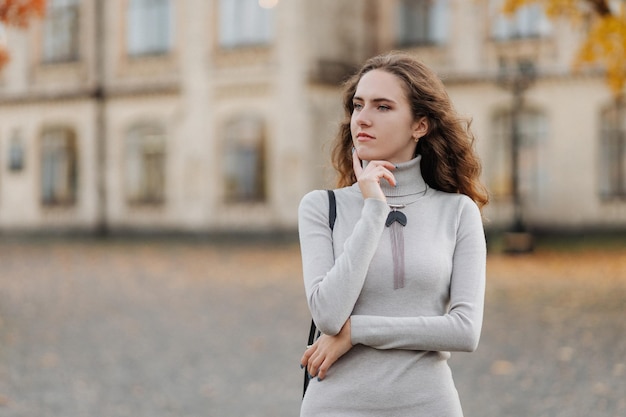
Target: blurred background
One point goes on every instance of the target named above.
(153, 154)
(206, 116)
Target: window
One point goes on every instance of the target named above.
(145, 165)
(149, 28)
(533, 130)
(613, 152)
(528, 22)
(58, 167)
(422, 22)
(244, 23)
(61, 31)
(16, 152)
(244, 160)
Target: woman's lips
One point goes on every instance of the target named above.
(362, 136)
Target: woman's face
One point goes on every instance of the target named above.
(382, 123)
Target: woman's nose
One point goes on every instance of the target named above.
(363, 118)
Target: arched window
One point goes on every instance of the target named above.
(58, 167)
(61, 31)
(422, 22)
(533, 130)
(244, 23)
(613, 152)
(149, 28)
(145, 165)
(244, 160)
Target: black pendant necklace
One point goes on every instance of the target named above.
(395, 216)
(396, 221)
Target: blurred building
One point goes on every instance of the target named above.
(216, 115)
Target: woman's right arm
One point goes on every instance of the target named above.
(332, 285)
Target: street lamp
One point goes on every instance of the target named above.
(517, 78)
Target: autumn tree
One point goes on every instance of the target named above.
(18, 13)
(605, 41)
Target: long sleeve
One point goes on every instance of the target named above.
(411, 291)
(332, 285)
(458, 329)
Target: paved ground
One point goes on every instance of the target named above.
(173, 328)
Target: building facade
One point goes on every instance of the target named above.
(216, 116)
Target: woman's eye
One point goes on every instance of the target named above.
(357, 106)
(384, 108)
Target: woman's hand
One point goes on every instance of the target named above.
(326, 350)
(369, 178)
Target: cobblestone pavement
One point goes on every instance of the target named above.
(180, 328)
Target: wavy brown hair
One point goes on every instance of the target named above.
(449, 162)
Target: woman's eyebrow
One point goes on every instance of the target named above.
(375, 100)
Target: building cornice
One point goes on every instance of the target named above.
(491, 77)
(94, 93)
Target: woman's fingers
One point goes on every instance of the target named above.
(356, 163)
(312, 359)
(326, 351)
(320, 363)
(310, 350)
(321, 374)
(370, 177)
(314, 364)
(372, 166)
(386, 173)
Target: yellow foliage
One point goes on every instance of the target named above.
(4, 56)
(552, 8)
(510, 6)
(18, 13)
(605, 42)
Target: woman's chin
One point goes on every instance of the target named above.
(366, 155)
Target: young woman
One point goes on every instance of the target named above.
(400, 280)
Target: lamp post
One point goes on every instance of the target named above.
(99, 97)
(517, 79)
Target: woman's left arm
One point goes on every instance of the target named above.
(457, 330)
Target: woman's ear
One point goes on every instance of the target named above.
(420, 128)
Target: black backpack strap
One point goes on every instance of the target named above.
(332, 216)
(332, 209)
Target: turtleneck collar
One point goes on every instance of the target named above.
(410, 183)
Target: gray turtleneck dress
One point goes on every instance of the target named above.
(404, 323)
